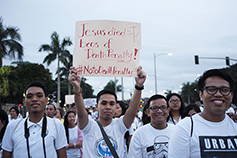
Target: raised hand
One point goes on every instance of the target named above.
(74, 78)
(141, 77)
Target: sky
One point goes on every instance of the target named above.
(207, 28)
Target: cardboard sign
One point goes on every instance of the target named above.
(107, 48)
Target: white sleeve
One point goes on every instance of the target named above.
(135, 147)
(61, 140)
(179, 144)
(7, 143)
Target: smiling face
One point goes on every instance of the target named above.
(71, 119)
(35, 100)
(158, 118)
(215, 104)
(13, 114)
(106, 106)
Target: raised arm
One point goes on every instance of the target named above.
(135, 101)
(75, 80)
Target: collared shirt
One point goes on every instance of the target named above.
(14, 140)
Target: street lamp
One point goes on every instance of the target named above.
(155, 55)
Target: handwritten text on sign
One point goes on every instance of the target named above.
(107, 48)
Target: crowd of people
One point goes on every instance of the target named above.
(167, 127)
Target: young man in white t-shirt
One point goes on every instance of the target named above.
(151, 140)
(15, 141)
(211, 133)
(94, 145)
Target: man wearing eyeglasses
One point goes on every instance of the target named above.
(151, 140)
(211, 133)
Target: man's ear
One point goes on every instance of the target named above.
(46, 100)
(148, 112)
(200, 95)
(23, 101)
(168, 110)
(96, 106)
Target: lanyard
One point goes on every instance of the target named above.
(43, 134)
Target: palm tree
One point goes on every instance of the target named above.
(9, 45)
(58, 51)
(111, 85)
(64, 72)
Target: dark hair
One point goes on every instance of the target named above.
(156, 96)
(182, 108)
(123, 106)
(72, 105)
(61, 111)
(37, 84)
(145, 118)
(16, 109)
(215, 72)
(4, 119)
(66, 124)
(191, 106)
(105, 91)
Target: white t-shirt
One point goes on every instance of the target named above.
(209, 139)
(148, 142)
(73, 138)
(94, 145)
(14, 140)
(1, 149)
(175, 122)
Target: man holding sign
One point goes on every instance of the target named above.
(94, 144)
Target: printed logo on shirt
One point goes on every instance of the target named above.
(102, 150)
(218, 146)
(47, 132)
(160, 147)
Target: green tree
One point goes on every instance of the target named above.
(189, 92)
(232, 71)
(17, 78)
(57, 51)
(9, 45)
(168, 92)
(87, 89)
(111, 85)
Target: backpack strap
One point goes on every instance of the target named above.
(191, 134)
(106, 138)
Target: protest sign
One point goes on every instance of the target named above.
(107, 48)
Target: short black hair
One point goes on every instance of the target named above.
(37, 84)
(72, 105)
(16, 109)
(105, 91)
(215, 72)
(4, 120)
(156, 96)
(190, 107)
(123, 106)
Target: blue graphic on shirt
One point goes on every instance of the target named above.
(102, 149)
(47, 132)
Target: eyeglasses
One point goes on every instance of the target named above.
(156, 108)
(213, 89)
(175, 101)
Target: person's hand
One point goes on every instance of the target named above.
(233, 116)
(74, 79)
(141, 77)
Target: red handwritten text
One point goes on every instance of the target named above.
(111, 70)
(94, 32)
